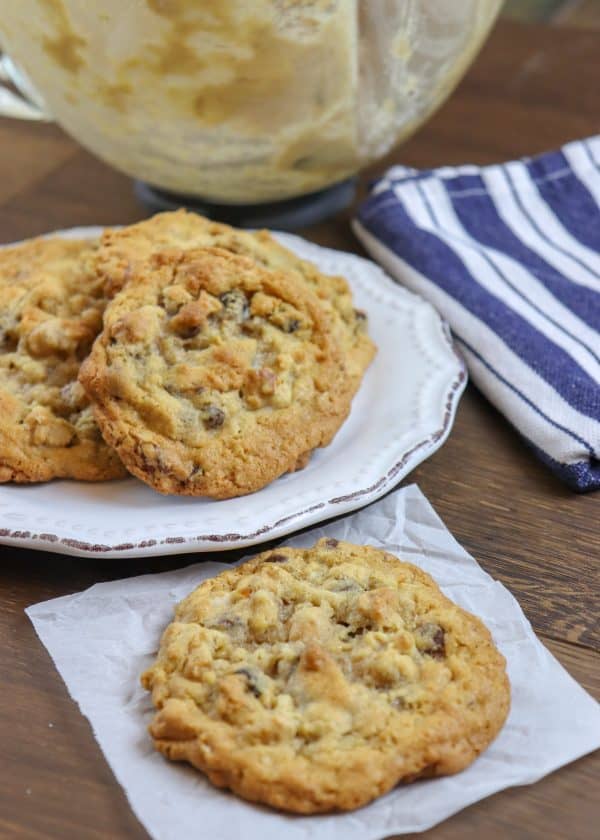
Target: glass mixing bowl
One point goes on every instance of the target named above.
(242, 102)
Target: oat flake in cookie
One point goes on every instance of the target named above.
(51, 304)
(317, 679)
(213, 376)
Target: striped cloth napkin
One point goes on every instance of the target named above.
(510, 255)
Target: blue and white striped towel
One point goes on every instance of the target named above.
(510, 255)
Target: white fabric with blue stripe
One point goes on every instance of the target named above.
(510, 255)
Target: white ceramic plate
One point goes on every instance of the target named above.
(403, 412)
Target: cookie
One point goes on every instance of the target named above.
(317, 679)
(51, 305)
(121, 249)
(214, 376)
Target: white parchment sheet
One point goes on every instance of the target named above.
(102, 639)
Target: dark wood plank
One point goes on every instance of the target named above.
(532, 88)
(33, 155)
(78, 191)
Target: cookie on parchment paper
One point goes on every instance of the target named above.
(317, 679)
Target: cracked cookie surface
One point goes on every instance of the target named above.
(213, 376)
(317, 679)
(51, 305)
(121, 249)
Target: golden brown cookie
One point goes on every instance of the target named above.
(213, 376)
(51, 304)
(121, 249)
(317, 679)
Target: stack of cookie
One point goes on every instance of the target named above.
(204, 360)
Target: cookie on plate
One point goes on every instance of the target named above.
(51, 305)
(213, 376)
(317, 679)
(121, 249)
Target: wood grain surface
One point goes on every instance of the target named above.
(532, 88)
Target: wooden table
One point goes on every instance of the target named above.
(532, 88)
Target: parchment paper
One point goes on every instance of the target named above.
(102, 639)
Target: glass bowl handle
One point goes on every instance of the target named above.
(27, 104)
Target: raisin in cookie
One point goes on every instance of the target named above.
(317, 679)
(213, 376)
(121, 249)
(51, 305)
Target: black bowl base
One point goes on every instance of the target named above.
(290, 214)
